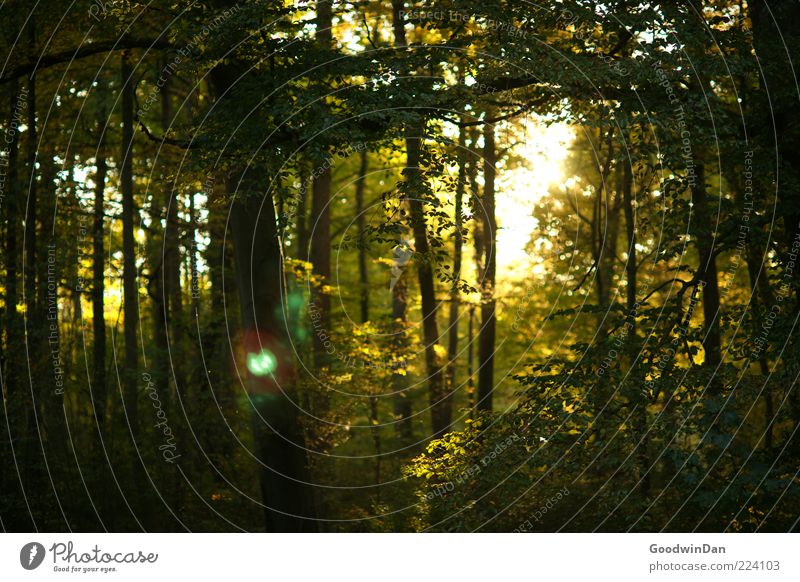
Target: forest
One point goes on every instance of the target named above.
(399, 266)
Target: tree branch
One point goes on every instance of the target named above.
(86, 50)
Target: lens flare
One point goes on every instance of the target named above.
(263, 363)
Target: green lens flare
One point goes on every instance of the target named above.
(295, 300)
(263, 363)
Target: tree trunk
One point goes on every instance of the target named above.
(270, 376)
(402, 403)
(458, 218)
(29, 288)
(441, 413)
(99, 385)
(708, 277)
(321, 260)
(642, 399)
(14, 335)
(486, 335)
(363, 274)
(19, 516)
(278, 436)
(129, 275)
(321, 223)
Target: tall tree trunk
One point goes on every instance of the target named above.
(99, 384)
(708, 277)
(631, 266)
(19, 517)
(34, 324)
(363, 274)
(192, 246)
(270, 376)
(321, 222)
(402, 403)
(129, 274)
(471, 361)
(30, 289)
(486, 335)
(52, 369)
(458, 219)
(14, 335)
(321, 260)
(278, 436)
(301, 218)
(441, 413)
(773, 123)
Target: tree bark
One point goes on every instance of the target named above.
(99, 384)
(129, 275)
(14, 335)
(278, 436)
(708, 276)
(486, 335)
(458, 219)
(321, 222)
(277, 432)
(441, 414)
(642, 400)
(363, 273)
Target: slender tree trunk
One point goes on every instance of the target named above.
(321, 261)
(19, 517)
(458, 219)
(129, 275)
(402, 403)
(708, 277)
(486, 335)
(471, 361)
(30, 288)
(14, 336)
(441, 414)
(99, 385)
(193, 272)
(363, 274)
(34, 324)
(762, 297)
(302, 219)
(321, 223)
(631, 266)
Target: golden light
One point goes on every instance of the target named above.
(542, 153)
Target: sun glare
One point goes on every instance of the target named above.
(541, 156)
